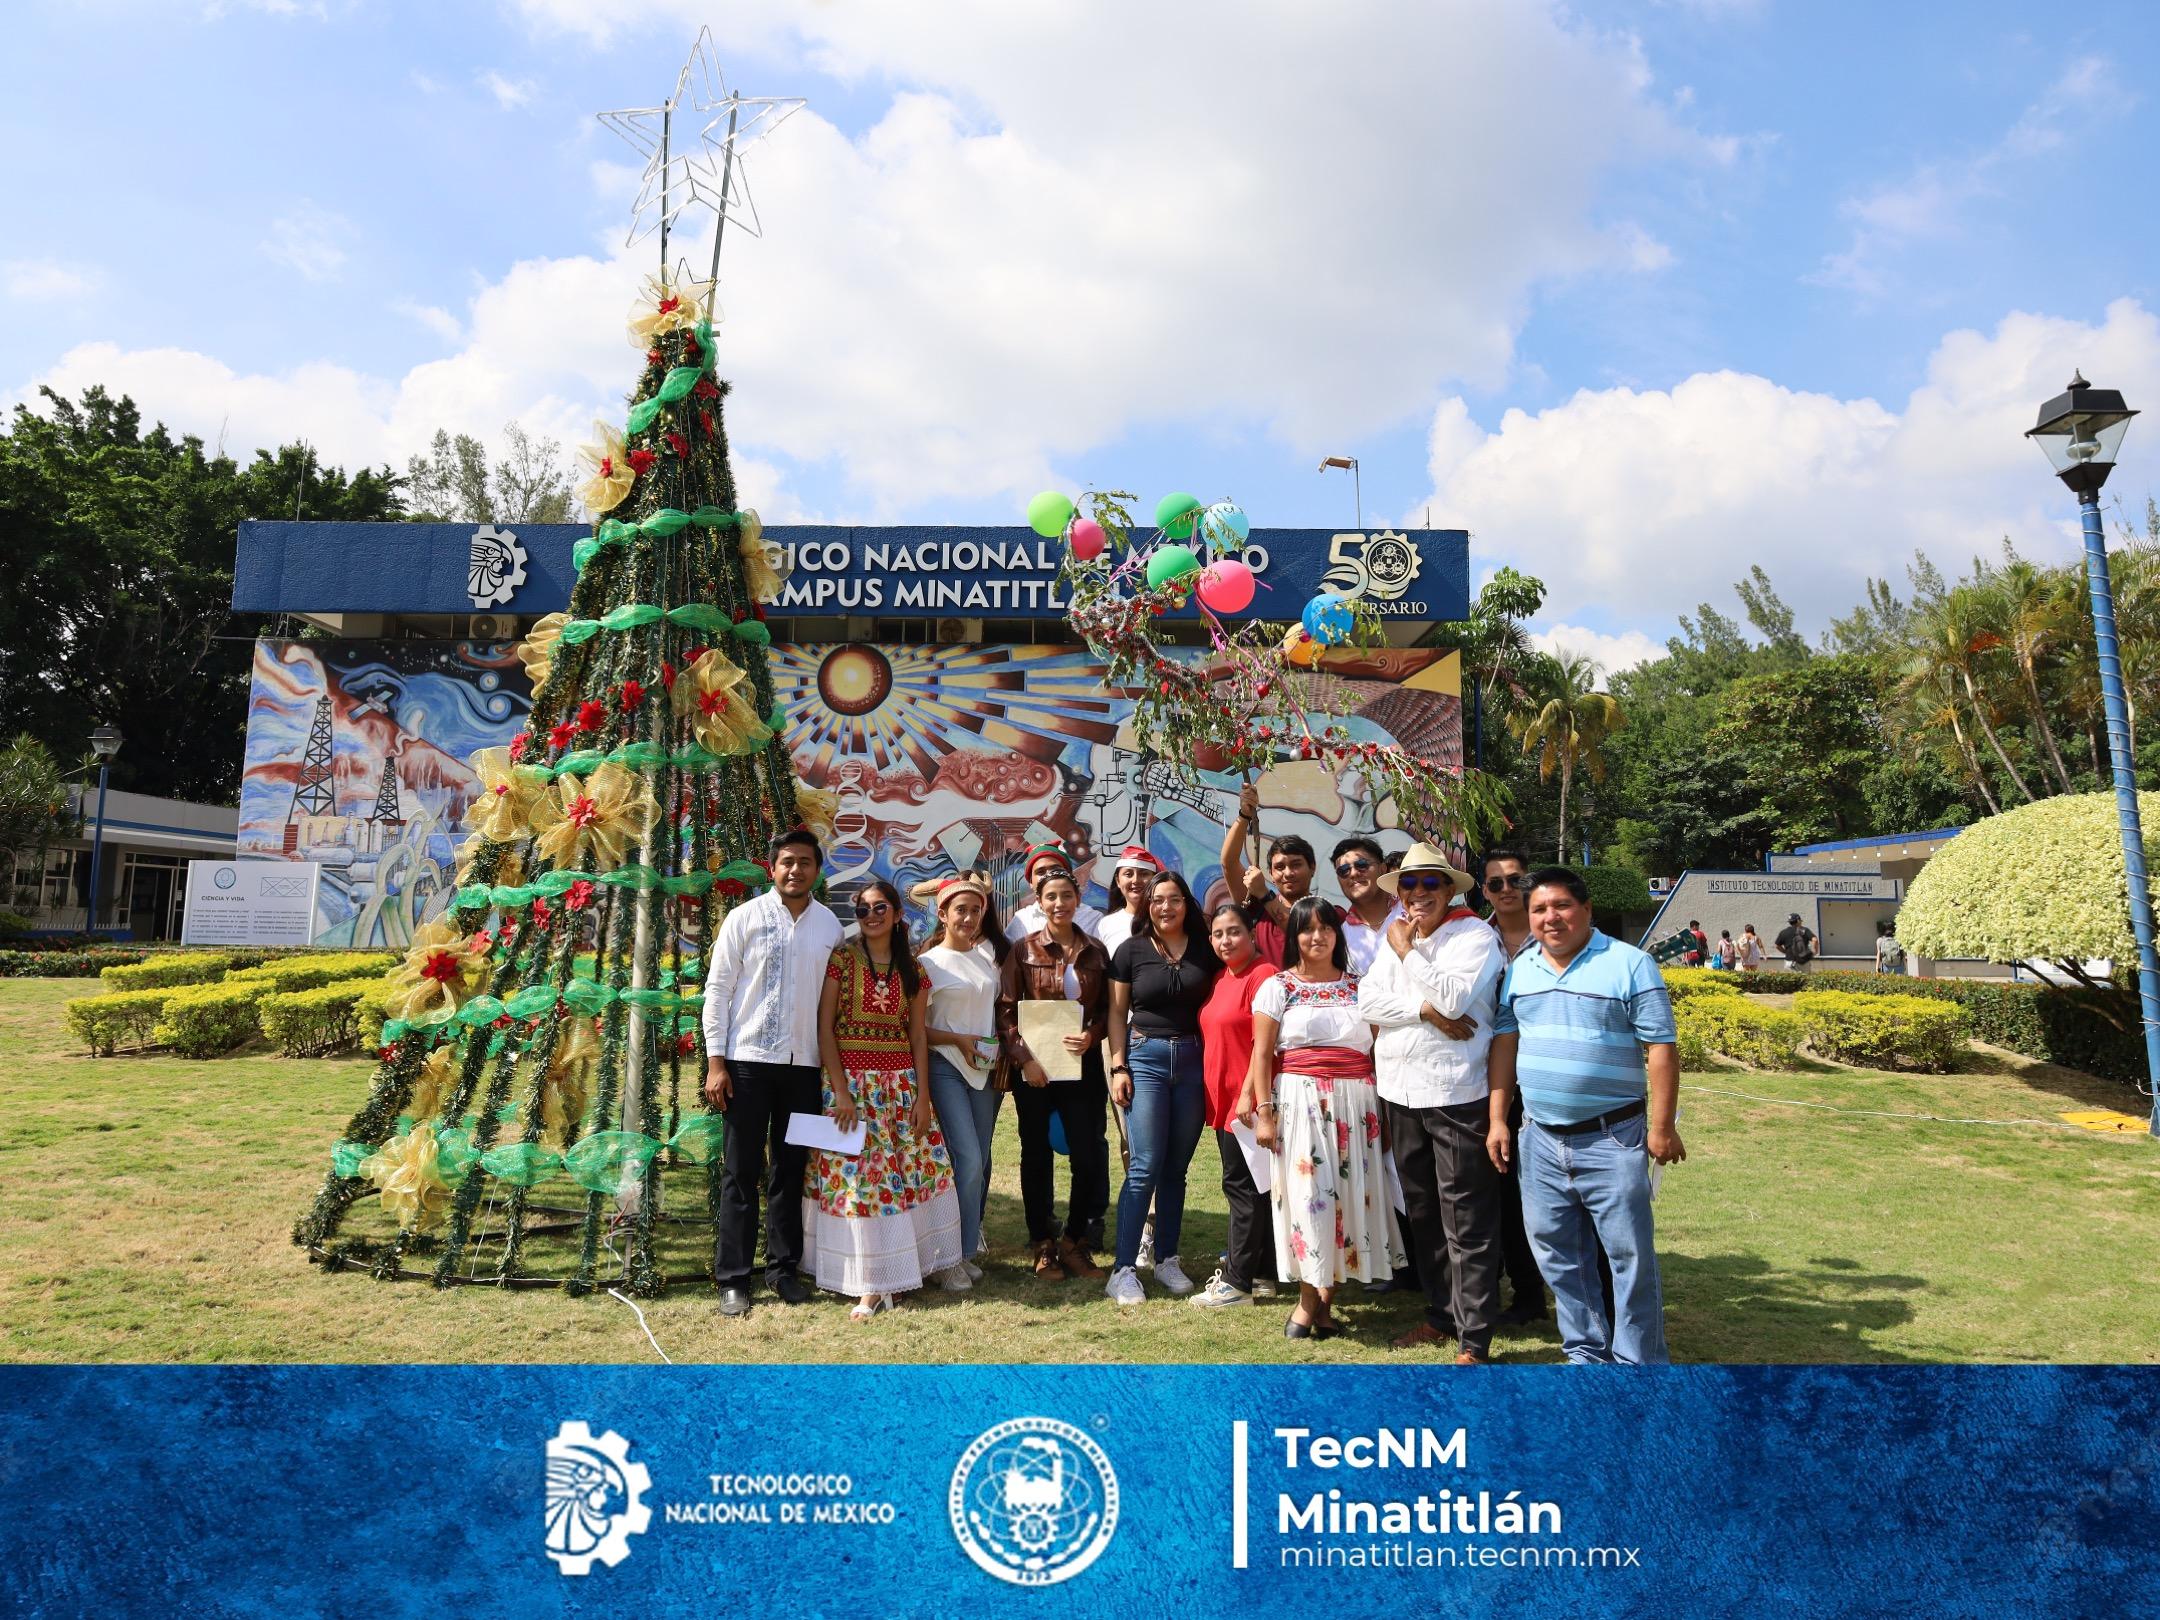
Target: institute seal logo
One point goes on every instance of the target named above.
(495, 566)
(1033, 1501)
(595, 1499)
(1382, 566)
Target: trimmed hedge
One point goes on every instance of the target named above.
(2096, 1031)
(1884, 1032)
(167, 971)
(66, 964)
(1682, 982)
(207, 1020)
(312, 972)
(320, 1019)
(107, 1023)
(1730, 1025)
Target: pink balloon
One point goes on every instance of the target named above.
(1227, 587)
(1086, 536)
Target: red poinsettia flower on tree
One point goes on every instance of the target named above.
(641, 461)
(519, 744)
(579, 895)
(706, 389)
(559, 736)
(667, 675)
(633, 693)
(540, 912)
(730, 889)
(686, 1043)
(678, 444)
(591, 715)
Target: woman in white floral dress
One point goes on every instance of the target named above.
(1312, 1085)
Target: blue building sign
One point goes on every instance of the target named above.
(978, 572)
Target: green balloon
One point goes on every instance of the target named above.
(1167, 563)
(1049, 512)
(1176, 514)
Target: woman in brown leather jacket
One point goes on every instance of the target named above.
(1057, 963)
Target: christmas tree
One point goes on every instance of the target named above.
(541, 1062)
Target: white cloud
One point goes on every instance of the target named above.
(310, 241)
(437, 320)
(1611, 653)
(509, 94)
(1932, 201)
(1014, 265)
(36, 280)
(1633, 506)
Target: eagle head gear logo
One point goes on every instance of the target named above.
(1381, 566)
(1033, 1501)
(595, 1499)
(496, 567)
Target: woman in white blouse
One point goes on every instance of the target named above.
(961, 958)
(1314, 1104)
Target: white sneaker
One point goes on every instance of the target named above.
(973, 1270)
(1145, 1261)
(955, 1279)
(1219, 1292)
(1172, 1276)
(1124, 1287)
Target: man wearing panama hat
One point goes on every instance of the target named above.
(1430, 995)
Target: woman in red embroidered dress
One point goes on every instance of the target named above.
(876, 1223)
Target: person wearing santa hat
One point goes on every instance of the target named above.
(1029, 918)
(1136, 868)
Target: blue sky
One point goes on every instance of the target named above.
(1639, 293)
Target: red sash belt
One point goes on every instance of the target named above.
(1328, 1063)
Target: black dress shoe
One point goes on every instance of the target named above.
(735, 1301)
(789, 1287)
(1292, 1328)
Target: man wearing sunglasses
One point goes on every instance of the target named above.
(1360, 863)
(1430, 995)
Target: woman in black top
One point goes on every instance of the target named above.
(1159, 980)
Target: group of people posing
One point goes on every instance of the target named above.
(1401, 1092)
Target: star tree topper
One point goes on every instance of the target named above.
(692, 144)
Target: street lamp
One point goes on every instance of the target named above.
(104, 742)
(2081, 429)
(1349, 464)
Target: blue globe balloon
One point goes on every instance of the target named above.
(1329, 619)
(1225, 526)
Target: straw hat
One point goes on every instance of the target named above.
(1427, 858)
(939, 890)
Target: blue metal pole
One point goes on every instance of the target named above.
(97, 845)
(2126, 800)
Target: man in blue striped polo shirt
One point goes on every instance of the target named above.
(1585, 1029)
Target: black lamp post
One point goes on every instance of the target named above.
(104, 742)
(2081, 429)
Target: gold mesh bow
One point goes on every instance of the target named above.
(537, 651)
(817, 810)
(765, 567)
(507, 792)
(405, 1168)
(715, 695)
(441, 972)
(605, 812)
(568, 1086)
(663, 307)
(608, 469)
(432, 1084)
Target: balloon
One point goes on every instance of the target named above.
(1049, 512)
(1175, 515)
(1225, 526)
(1302, 651)
(1087, 539)
(1329, 619)
(1168, 563)
(1227, 587)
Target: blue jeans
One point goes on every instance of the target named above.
(1580, 1191)
(1169, 1107)
(967, 1115)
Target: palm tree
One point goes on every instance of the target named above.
(1954, 637)
(1566, 727)
(2032, 614)
(1927, 706)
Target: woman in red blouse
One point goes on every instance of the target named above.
(1226, 1043)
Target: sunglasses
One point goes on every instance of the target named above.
(1356, 863)
(872, 908)
(1410, 882)
(1521, 880)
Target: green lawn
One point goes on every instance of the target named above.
(145, 1204)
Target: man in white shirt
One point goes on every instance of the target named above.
(1430, 995)
(1029, 917)
(1360, 864)
(761, 1065)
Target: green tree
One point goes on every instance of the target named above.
(119, 606)
(33, 808)
(1805, 740)
(1565, 727)
(453, 482)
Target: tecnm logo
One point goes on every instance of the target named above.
(595, 1499)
